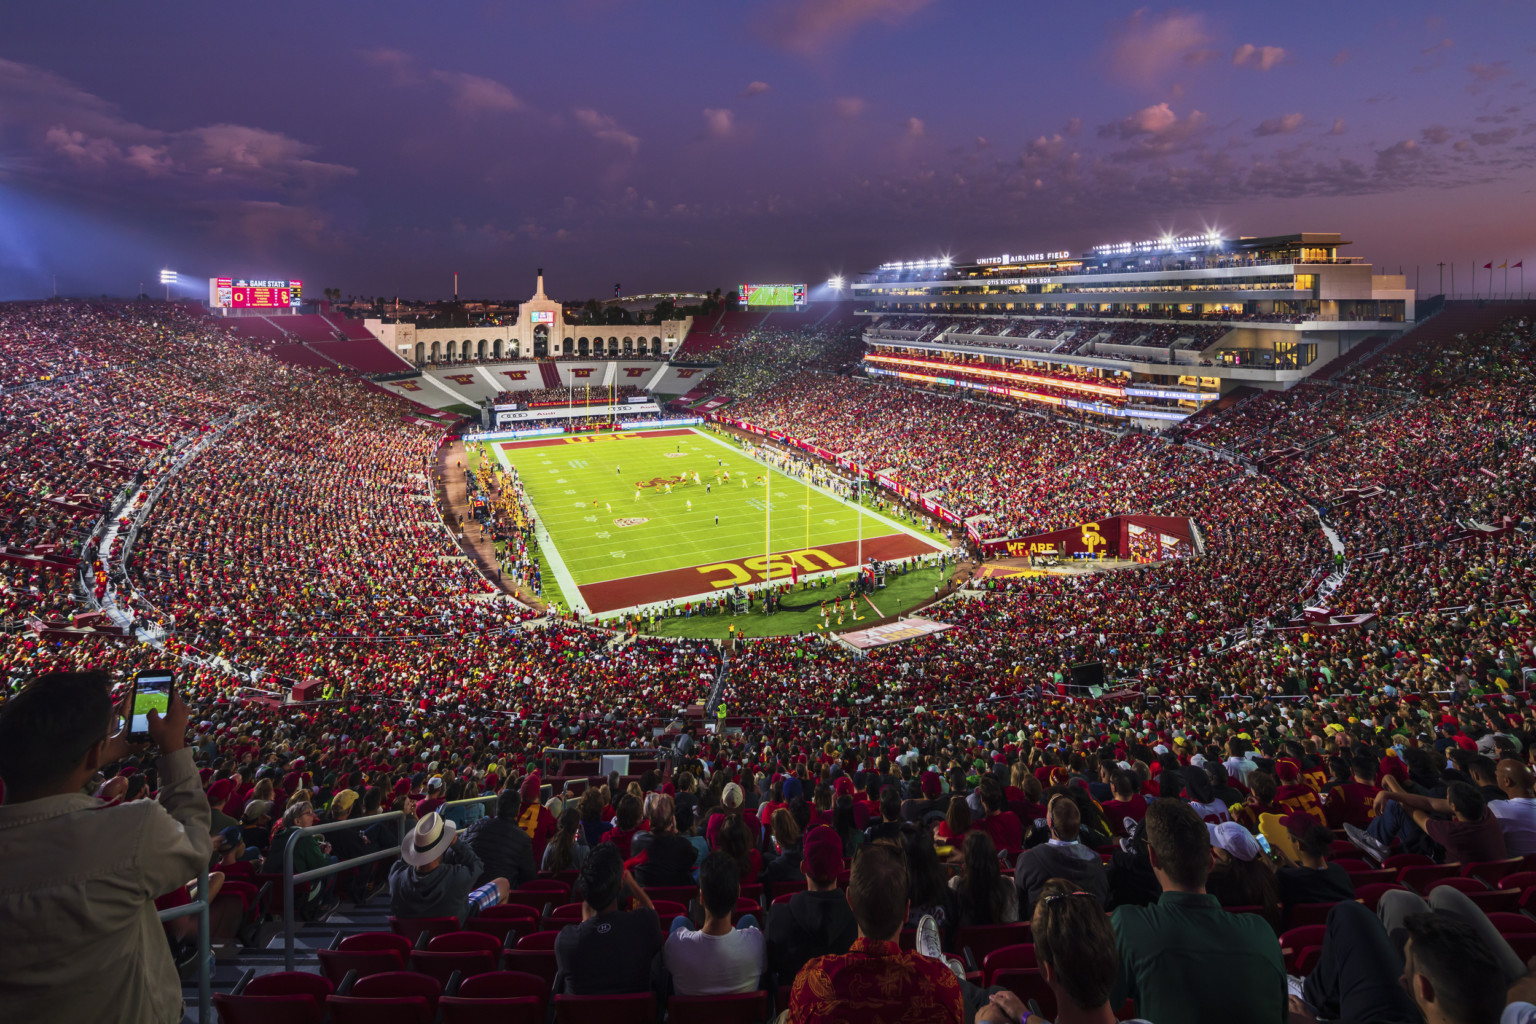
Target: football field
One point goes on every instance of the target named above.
(624, 525)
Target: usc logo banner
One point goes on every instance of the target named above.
(462, 379)
(585, 371)
(515, 374)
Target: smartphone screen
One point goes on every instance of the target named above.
(152, 692)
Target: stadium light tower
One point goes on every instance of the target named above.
(167, 278)
(835, 282)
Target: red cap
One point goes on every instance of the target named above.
(1288, 770)
(823, 854)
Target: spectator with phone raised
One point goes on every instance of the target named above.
(83, 940)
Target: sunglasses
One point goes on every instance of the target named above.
(1063, 895)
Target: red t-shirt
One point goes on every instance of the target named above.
(1006, 831)
(1351, 803)
(1118, 810)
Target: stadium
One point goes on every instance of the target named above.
(1138, 630)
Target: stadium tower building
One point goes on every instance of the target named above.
(1146, 333)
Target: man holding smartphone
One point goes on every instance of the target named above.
(83, 940)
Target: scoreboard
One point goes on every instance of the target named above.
(241, 293)
(751, 295)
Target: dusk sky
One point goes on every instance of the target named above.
(672, 145)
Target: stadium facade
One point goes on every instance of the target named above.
(541, 330)
(1169, 324)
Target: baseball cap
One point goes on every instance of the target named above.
(255, 809)
(230, 837)
(1236, 840)
(823, 854)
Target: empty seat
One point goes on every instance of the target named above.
(1491, 871)
(284, 997)
(399, 997)
(1422, 877)
(500, 996)
(981, 939)
(537, 940)
(1020, 955)
(443, 965)
(336, 964)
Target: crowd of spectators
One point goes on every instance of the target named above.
(576, 394)
(302, 543)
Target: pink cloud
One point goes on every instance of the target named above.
(1263, 58)
(1146, 46)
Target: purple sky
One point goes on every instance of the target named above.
(377, 147)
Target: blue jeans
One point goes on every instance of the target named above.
(680, 922)
(1394, 822)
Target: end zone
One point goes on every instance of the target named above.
(701, 581)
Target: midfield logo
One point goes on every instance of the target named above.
(631, 521)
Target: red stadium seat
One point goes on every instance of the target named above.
(980, 939)
(746, 1008)
(1019, 956)
(412, 927)
(335, 964)
(1371, 894)
(508, 997)
(443, 965)
(538, 940)
(632, 1009)
(1422, 877)
(1491, 871)
(538, 962)
(400, 997)
(1295, 942)
(284, 996)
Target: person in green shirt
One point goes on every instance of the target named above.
(311, 852)
(1184, 958)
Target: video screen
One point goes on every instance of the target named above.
(153, 694)
(240, 293)
(771, 295)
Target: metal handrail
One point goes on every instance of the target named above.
(325, 871)
(199, 907)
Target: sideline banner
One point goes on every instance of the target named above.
(894, 633)
(1144, 538)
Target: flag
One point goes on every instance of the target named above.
(1520, 263)
(1488, 265)
(1504, 265)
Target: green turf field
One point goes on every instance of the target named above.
(801, 611)
(585, 496)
